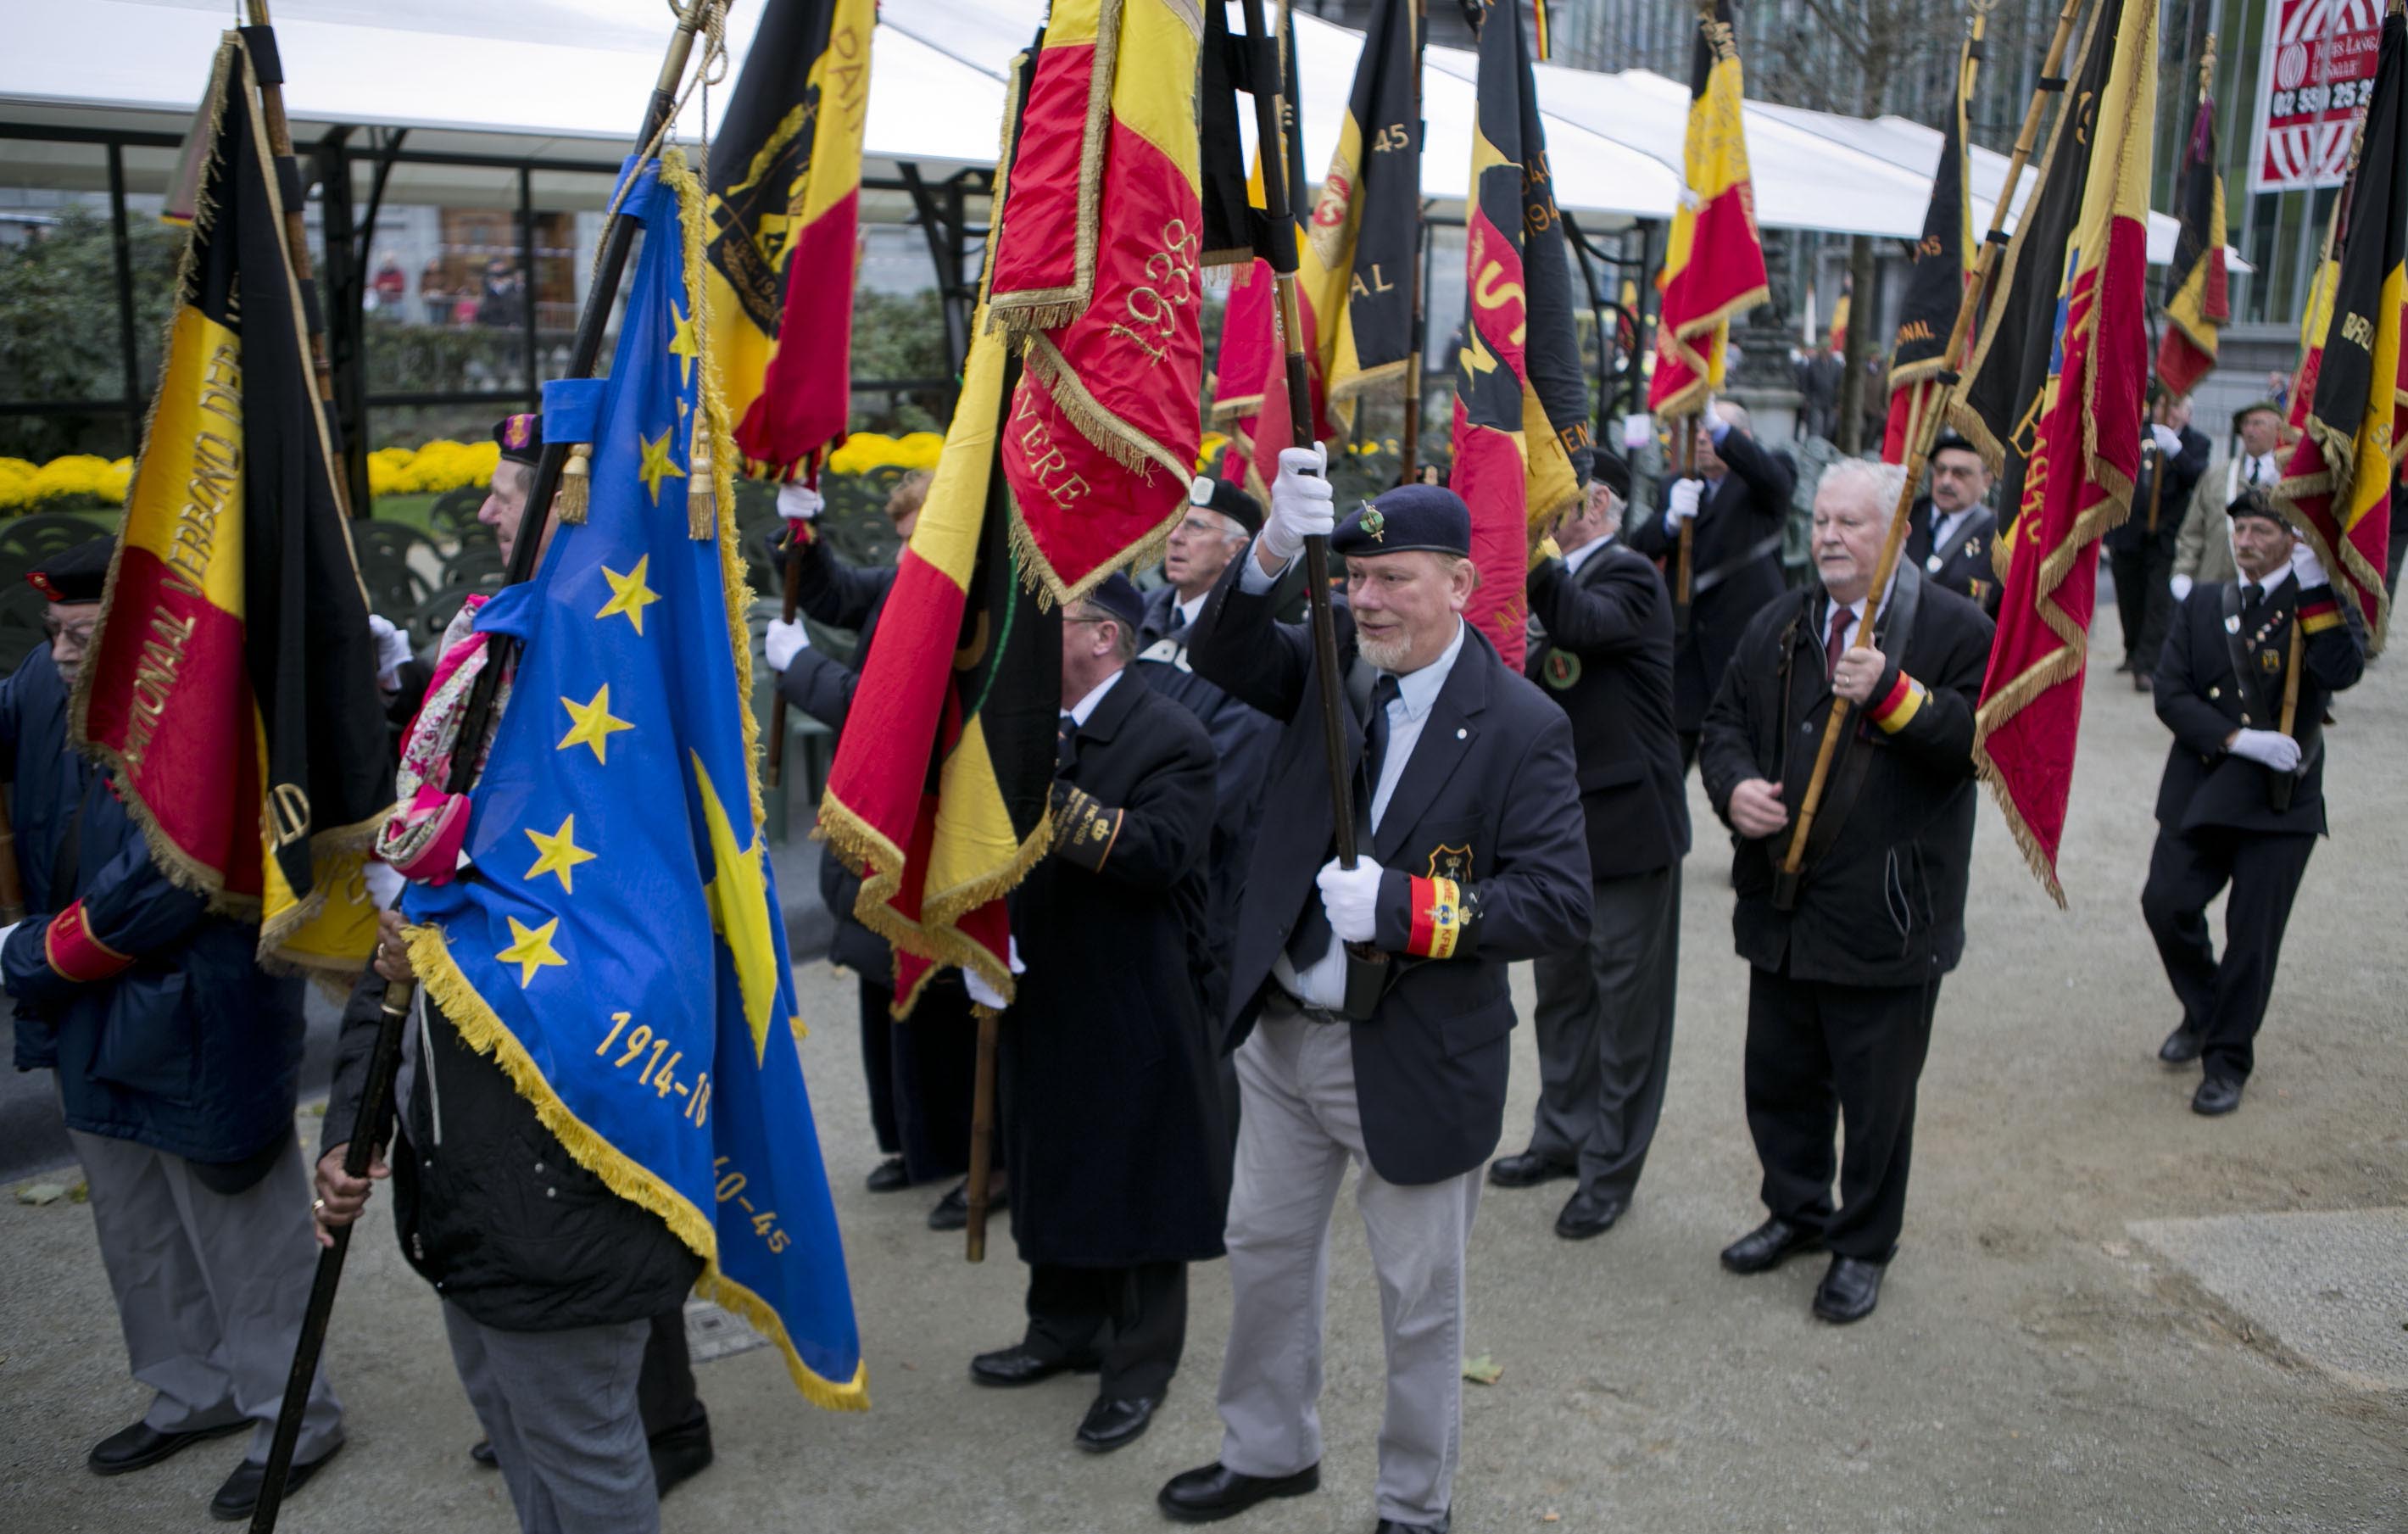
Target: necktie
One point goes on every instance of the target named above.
(2251, 595)
(2253, 471)
(1375, 730)
(1065, 744)
(1837, 645)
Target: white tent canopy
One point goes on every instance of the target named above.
(565, 79)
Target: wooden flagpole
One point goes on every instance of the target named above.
(1927, 415)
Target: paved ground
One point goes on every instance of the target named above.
(2038, 1363)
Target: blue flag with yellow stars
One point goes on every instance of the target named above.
(618, 945)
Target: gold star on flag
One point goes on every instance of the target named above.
(558, 854)
(683, 345)
(530, 949)
(629, 595)
(594, 726)
(656, 465)
(738, 897)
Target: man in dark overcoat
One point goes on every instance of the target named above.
(2241, 802)
(1601, 647)
(1464, 790)
(1112, 1110)
(1950, 528)
(919, 1071)
(1740, 500)
(1220, 518)
(175, 1061)
(1842, 985)
(2141, 548)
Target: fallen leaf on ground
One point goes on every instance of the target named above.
(1482, 1369)
(41, 1192)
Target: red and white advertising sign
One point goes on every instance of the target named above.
(2317, 74)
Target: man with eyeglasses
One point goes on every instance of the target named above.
(177, 1061)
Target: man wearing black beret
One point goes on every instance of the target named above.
(2241, 802)
(1111, 1110)
(1950, 528)
(1367, 1005)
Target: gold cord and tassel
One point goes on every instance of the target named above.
(576, 486)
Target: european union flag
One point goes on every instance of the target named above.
(620, 946)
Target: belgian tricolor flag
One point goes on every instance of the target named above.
(1935, 280)
(1522, 443)
(2196, 302)
(783, 222)
(1714, 264)
(2341, 472)
(2077, 275)
(944, 771)
(231, 688)
(1357, 261)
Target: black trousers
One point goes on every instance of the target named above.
(922, 1072)
(1817, 1054)
(2223, 1001)
(1604, 1025)
(2143, 602)
(665, 1392)
(1133, 1320)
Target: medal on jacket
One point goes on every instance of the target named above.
(1562, 670)
(1933, 563)
(2233, 624)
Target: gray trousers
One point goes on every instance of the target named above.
(210, 1288)
(1604, 1022)
(560, 1408)
(1300, 1127)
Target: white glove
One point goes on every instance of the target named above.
(1351, 899)
(393, 651)
(980, 991)
(2169, 440)
(2306, 568)
(1680, 503)
(2180, 585)
(2267, 747)
(1301, 503)
(782, 641)
(799, 502)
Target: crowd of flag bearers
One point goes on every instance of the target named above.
(1167, 907)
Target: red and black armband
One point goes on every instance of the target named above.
(75, 954)
(1896, 706)
(1084, 830)
(2319, 610)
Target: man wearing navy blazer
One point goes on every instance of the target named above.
(1601, 647)
(1464, 784)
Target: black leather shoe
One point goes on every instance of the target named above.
(1111, 1424)
(1849, 1291)
(681, 1453)
(1585, 1216)
(1020, 1363)
(1390, 1526)
(482, 1452)
(1529, 1170)
(1213, 1492)
(2181, 1047)
(889, 1176)
(133, 1448)
(953, 1211)
(1769, 1245)
(2217, 1096)
(236, 1500)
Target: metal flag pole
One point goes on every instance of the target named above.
(1934, 394)
(375, 1100)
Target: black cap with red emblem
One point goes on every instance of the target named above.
(75, 574)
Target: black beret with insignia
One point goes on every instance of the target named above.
(75, 574)
(1403, 520)
(519, 437)
(1218, 494)
(1949, 441)
(2254, 502)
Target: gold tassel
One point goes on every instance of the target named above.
(701, 486)
(576, 487)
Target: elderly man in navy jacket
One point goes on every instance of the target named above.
(177, 1061)
(1601, 647)
(1368, 1006)
(2241, 802)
